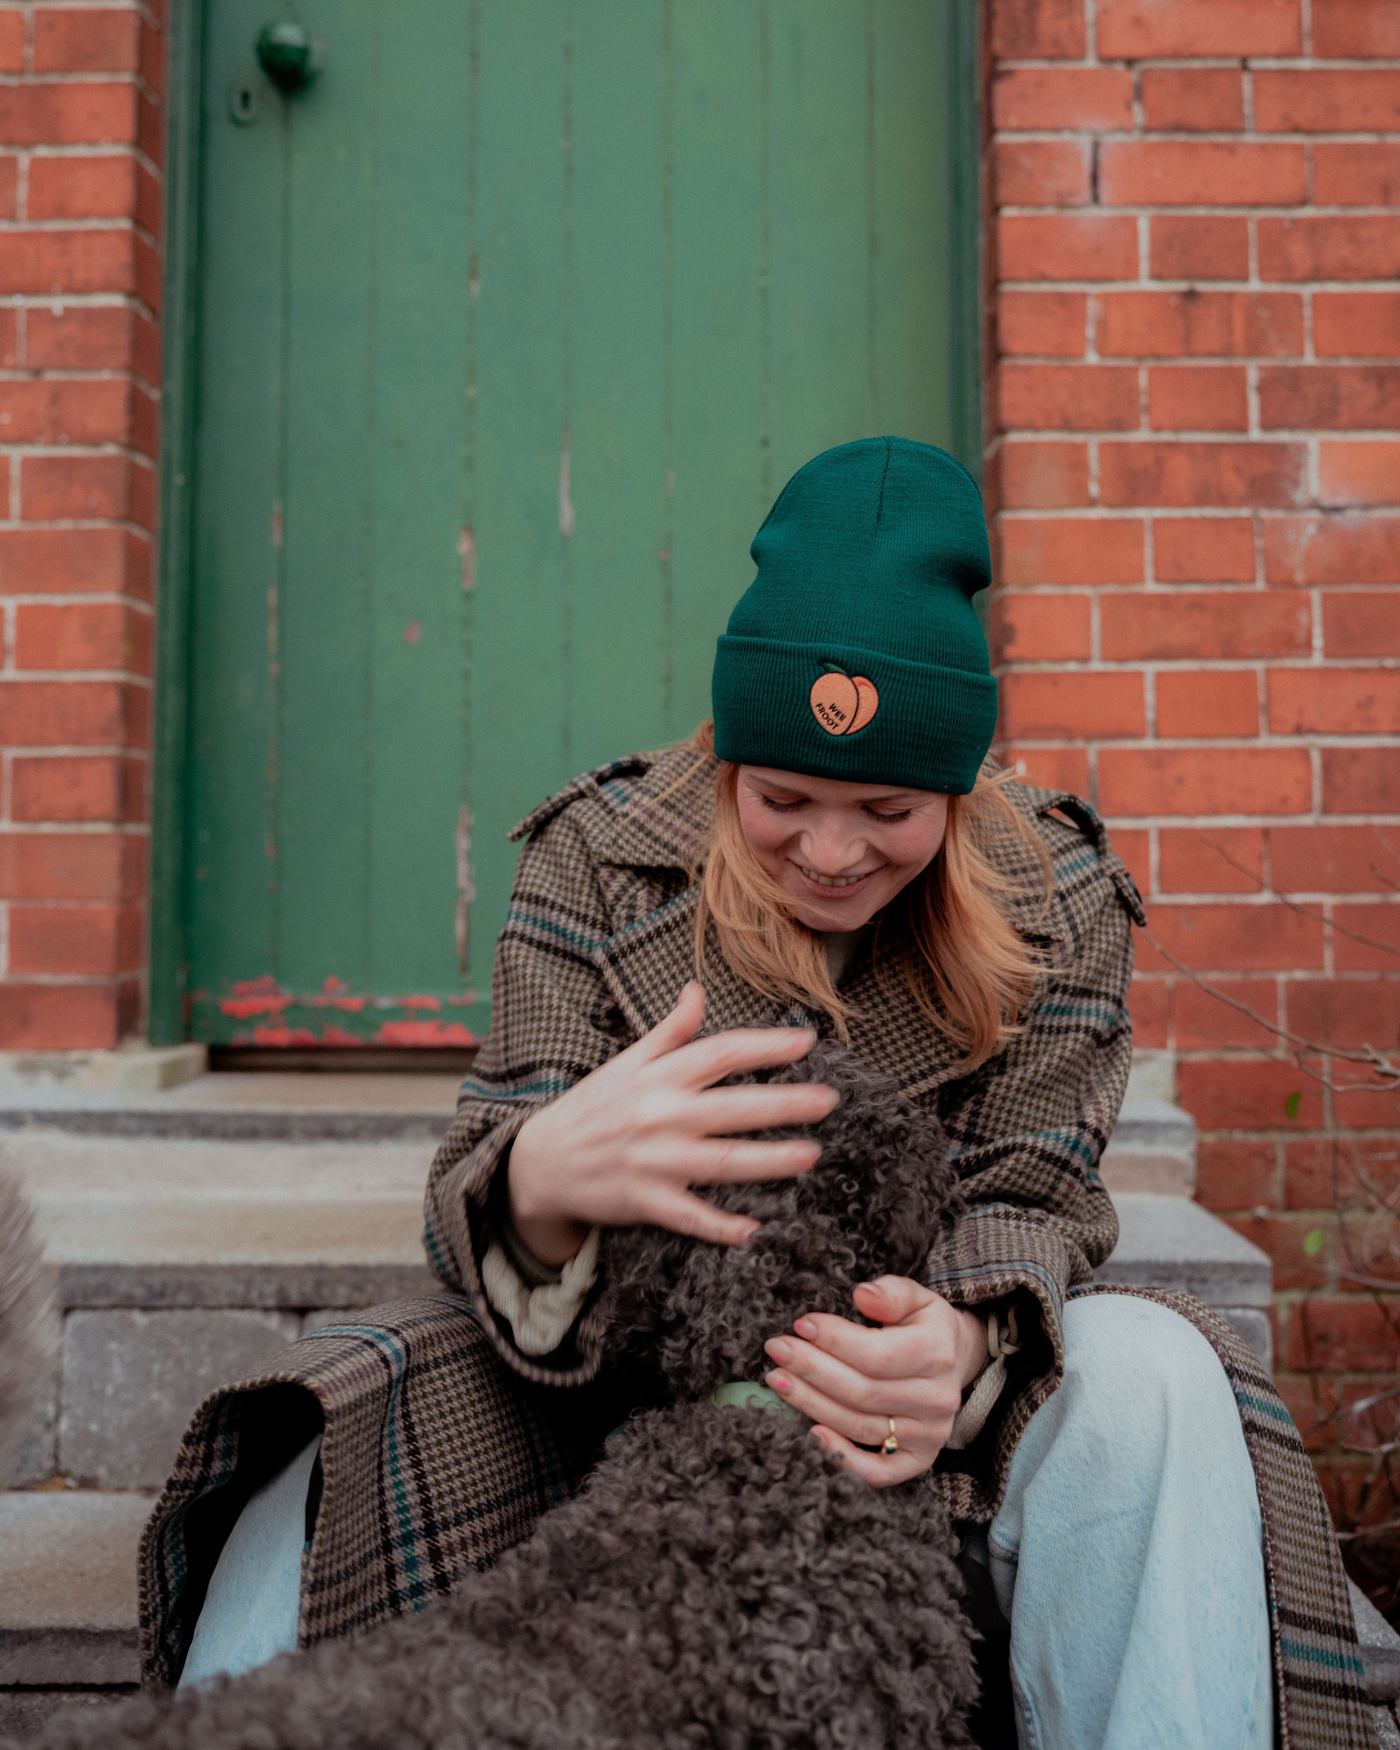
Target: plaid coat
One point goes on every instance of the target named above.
(443, 1443)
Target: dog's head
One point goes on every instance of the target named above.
(871, 1206)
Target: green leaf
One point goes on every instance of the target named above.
(1292, 1103)
(1312, 1242)
(833, 668)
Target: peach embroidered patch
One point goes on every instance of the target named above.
(842, 703)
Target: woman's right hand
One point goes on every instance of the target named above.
(622, 1147)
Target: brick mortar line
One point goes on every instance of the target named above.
(95, 225)
(1213, 435)
(1305, 209)
(1201, 63)
(70, 599)
(1106, 512)
(1186, 360)
(60, 750)
(73, 526)
(22, 677)
(108, 300)
(1148, 136)
(1377, 742)
(1174, 284)
(74, 828)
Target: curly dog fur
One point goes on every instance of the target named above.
(720, 1580)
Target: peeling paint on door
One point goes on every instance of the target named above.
(466, 888)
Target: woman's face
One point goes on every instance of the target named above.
(840, 852)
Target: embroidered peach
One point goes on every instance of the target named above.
(868, 706)
(834, 700)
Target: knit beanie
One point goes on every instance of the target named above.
(856, 653)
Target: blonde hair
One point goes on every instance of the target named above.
(955, 948)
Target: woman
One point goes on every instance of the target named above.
(831, 855)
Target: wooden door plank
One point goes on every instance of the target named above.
(618, 378)
(822, 280)
(235, 558)
(914, 235)
(419, 625)
(333, 273)
(720, 371)
(520, 675)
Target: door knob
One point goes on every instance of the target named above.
(289, 55)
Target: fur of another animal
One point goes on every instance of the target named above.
(720, 1580)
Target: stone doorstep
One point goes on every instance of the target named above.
(68, 1588)
(269, 1106)
(190, 1222)
(1170, 1242)
(1153, 1148)
(68, 1596)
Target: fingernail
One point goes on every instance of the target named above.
(804, 1328)
(779, 1382)
(778, 1349)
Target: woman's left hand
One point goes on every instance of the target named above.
(850, 1380)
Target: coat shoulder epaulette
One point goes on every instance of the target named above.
(1061, 809)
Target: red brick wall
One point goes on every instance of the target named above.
(80, 193)
(1196, 397)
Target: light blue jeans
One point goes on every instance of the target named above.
(1128, 1550)
(1126, 1554)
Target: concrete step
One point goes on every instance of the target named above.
(1170, 1242)
(176, 1221)
(265, 1107)
(68, 1588)
(1153, 1148)
(184, 1262)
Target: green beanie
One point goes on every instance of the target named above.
(855, 652)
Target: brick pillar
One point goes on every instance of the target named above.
(1196, 401)
(80, 198)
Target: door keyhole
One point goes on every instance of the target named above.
(244, 102)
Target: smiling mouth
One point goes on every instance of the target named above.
(832, 881)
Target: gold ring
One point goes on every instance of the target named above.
(891, 1445)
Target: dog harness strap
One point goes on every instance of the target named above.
(749, 1394)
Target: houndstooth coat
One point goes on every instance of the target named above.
(443, 1443)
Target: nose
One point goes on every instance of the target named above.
(830, 847)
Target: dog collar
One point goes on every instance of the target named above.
(748, 1394)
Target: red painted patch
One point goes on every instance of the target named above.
(255, 996)
(425, 1033)
(419, 1003)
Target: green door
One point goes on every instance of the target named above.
(508, 330)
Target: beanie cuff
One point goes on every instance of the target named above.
(930, 731)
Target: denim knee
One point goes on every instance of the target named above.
(1141, 1373)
